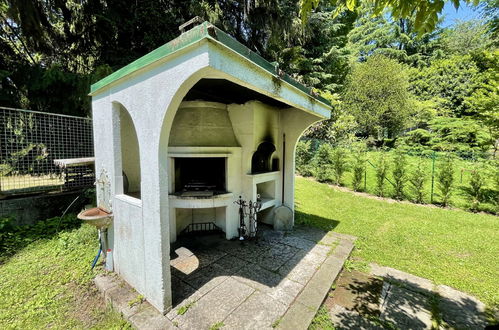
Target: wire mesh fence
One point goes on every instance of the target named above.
(42, 152)
(442, 178)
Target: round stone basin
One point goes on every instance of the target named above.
(96, 217)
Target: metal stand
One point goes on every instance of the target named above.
(242, 224)
(254, 207)
(249, 209)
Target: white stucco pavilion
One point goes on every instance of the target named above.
(202, 99)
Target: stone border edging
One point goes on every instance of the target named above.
(303, 309)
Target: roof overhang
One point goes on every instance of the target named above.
(206, 32)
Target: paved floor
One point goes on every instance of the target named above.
(250, 284)
(387, 298)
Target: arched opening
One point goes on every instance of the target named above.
(130, 154)
(262, 161)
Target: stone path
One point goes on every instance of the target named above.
(252, 285)
(389, 298)
(278, 281)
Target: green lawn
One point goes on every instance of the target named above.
(48, 283)
(452, 247)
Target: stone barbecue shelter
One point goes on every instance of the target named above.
(179, 135)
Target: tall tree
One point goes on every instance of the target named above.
(377, 94)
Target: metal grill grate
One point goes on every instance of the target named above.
(201, 227)
(30, 141)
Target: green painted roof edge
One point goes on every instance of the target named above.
(204, 30)
(184, 40)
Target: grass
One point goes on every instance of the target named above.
(462, 174)
(451, 247)
(183, 309)
(27, 182)
(48, 282)
(217, 326)
(322, 320)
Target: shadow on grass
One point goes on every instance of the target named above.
(14, 238)
(315, 221)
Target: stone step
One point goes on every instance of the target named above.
(301, 312)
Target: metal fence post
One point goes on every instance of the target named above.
(432, 175)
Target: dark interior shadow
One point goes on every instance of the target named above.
(200, 263)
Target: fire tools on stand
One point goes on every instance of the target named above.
(250, 210)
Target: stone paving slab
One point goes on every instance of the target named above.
(405, 302)
(404, 308)
(259, 311)
(415, 283)
(281, 278)
(214, 307)
(460, 310)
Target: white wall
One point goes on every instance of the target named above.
(140, 234)
(130, 155)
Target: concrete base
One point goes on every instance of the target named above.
(30, 209)
(124, 299)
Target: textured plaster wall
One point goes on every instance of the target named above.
(130, 156)
(202, 124)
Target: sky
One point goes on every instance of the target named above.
(464, 13)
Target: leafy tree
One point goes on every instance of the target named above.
(485, 100)
(395, 39)
(463, 135)
(490, 12)
(466, 37)
(376, 93)
(319, 58)
(426, 11)
(447, 82)
(495, 178)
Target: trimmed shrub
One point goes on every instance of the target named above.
(304, 157)
(358, 167)
(382, 168)
(417, 180)
(399, 173)
(495, 176)
(324, 161)
(477, 181)
(339, 158)
(446, 179)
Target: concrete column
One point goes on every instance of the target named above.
(293, 123)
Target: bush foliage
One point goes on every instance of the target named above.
(402, 175)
